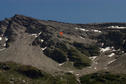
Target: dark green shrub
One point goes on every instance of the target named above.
(79, 59)
(35, 28)
(4, 66)
(81, 47)
(88, 50)
(62, 45)
(103, 78)
(56, 54)
(17, 73)
(113, 38)
(124, 46)
(30, 72)
(93, 50)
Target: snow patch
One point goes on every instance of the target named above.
(71, 72)
(0, 38)
(123, 52)
(43, 48)
(113, 50)
(41, 40)
(4, 44)
(97, 31)
(105, 49)
(39, 33)
(93, 58)
(95, 68)
(102, 44)
(23, 81)
(61, 64)
(77, 74)
(117, 27)
(35, 35)
(81, 29)
(111, 55)
(111, 61)
(6, 39)
(82, 37)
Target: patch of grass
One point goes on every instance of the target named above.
(68, 64)
(79, 59)
(30, 72)
(67, 78)
(113, 38)
(103, 78)
(21, 74)
(56, 54)
(88, 50)
(62, 45)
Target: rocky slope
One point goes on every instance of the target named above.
(83, 48)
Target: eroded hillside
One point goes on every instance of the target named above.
(83, 48)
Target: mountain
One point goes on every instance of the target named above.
(82, 49)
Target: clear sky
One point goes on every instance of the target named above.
(75, 11)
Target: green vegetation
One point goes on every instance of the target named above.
(124, 46)
(88, 50)
(67, 78)
(30, 72)
(79, 59)
(62, 45)
(12, 73)
(61, 52)
(103, 78)
(113, 38)
(56, 54)
(10, 35)
(68, 64)
(34, 27)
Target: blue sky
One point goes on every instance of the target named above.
(74, 11)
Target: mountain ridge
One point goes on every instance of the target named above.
(80, 50)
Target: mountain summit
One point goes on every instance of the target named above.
(82, 49)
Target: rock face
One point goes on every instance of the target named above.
(89, 47)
